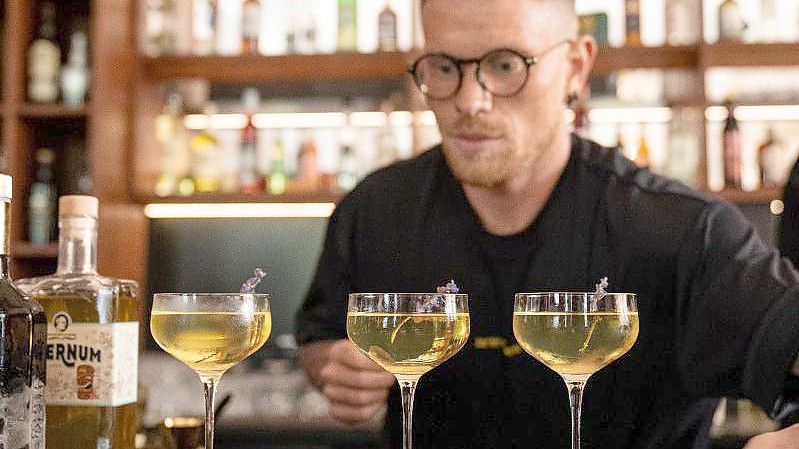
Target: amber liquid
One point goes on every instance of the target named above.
(210, 342)
(576, 343)
(408, 344)
(91, 427)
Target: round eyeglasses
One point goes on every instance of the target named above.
(502, 72)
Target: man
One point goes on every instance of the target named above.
(513, 202)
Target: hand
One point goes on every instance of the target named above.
(356, 387)
(787, 438)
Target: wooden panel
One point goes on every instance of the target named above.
(761, 196)
(24, 250)
(304, 197)
(749, 55)
(341, 66)
(122, 240)
(44, 111)
(611, 59)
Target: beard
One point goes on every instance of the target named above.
(493, 167)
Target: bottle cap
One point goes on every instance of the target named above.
(78, 205)
(5, 186)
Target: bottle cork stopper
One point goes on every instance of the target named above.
(78, 205)
(5, 186)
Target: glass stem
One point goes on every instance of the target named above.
(407, 390)
(575, 387)
(209, 385)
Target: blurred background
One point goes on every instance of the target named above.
(218, 135)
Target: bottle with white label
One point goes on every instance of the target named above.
(22, 351)
(92, 339)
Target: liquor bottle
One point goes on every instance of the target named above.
(387, 29)
(203, 26)
(249, 181)
(642, 155)
(348, 169)
(731, 21)
(23, 339)
(595, 25)
(769, 30)
(387, 151)
(769, 156)
(162, 24)
(168, 133)
(683, 158)
(92, 339)
(732, 149)
(632, 20)
(75, 76)
(347, 25)
(42, 200)
(44, 59)
(205, 157)
(682, 22)
(250, 26)
(304, 27)
(278, 177)
(308, 174)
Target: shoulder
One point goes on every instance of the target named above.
(632, 186)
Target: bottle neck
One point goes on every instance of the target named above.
(77, 245)
(5, 228)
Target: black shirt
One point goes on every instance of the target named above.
(719, 309)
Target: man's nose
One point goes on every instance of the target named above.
(472, 98)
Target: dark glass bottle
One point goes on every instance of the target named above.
(23, 339)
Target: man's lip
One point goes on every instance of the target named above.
(475, 137)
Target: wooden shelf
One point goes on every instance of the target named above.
(254, 68)
(51, 110)
(291, 197)
(761, 196)
(749, 55)
(611, 59)
(25, 250)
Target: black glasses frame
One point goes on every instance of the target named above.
(529, 61)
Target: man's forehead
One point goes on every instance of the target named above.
(475, 27)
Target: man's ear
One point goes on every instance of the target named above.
(582, 54)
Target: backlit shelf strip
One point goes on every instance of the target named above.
(239, 210)
(766, 113)
(310, 120)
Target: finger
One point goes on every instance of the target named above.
(353, 415)
(346, 353)
(355, 396)
(338, 374)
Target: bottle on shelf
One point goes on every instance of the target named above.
(387, 29)
(42, 200)
(23, 345)
(308, 174)
(642, 153)
(387, 151)
(162, 28)
(769, 27)
(732, 149)
(278, 176)
(595, 25)
(205, 156)
(44, 58)
(204, 26)
(250, 26)
(249, 181)
(348, 169)
(169, 134)
(682, 22)
(303, 28)
(632, 21)
(731, 21)
(92, 339)
(76, 165)
(347, 25)
(75, 76)
(683, 157)
(769, 157)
